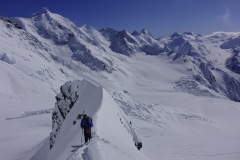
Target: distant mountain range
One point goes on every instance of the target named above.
(45, 45)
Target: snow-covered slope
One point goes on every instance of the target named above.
(178, 91)
(128, 44)
(85, 49)
(233, 63)
(113, 135)
(207, 59)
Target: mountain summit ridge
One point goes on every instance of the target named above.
(88, 49)
(178, 90)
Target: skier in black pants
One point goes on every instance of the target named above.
(86, 125)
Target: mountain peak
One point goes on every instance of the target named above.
(176, 34)
(188, 33)
(44, 10)
(135, 33)
(108, 29)
(87, 27)
(145, 31)
(124, 31)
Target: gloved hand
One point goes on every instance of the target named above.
(74, 122)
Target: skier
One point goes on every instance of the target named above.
(86, 125)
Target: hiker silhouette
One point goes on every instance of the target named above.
(86, 125)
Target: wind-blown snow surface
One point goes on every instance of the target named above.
(112, 133)
(174, 89)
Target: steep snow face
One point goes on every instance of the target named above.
(186, 43)
(31, 56)
(111, 127)
(53, 26)
(63, 39)
(233, 63)
(231, 44)
(148, 43)
(121, 41)
(87, 49)
(209, 68)
(128, 44)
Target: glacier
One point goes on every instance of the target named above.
(181, 92)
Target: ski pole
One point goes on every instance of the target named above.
(82, 137)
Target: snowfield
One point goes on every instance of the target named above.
(112, 133)
(181, 93)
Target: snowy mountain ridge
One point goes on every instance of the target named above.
(79, 96)
(97, 50)
(175, 89)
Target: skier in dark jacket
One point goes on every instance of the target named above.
(86, 125)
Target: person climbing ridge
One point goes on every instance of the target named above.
(86, 125)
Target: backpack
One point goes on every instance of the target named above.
(87, 122)
(90, 121)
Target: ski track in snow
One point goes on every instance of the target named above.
(30, 113)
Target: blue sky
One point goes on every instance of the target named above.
(161, 17)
